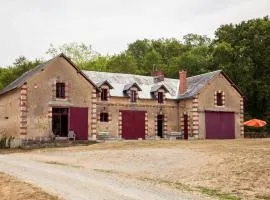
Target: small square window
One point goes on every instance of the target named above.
(219, 99)
(133, 96)
(104, 117)
(160, 97)
(104, 94)
(60, 90)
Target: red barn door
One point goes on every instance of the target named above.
(79, 122)
(219, 125)
(133, 124)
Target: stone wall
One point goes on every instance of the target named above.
(41, 98)
(27, 111)
(10, 117)
(232, 102)
(186, 108)
(152, 108)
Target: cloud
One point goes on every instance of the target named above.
(28, 27)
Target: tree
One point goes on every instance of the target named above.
(98, 63)
(138, 49)
(78, 52)
(197, 60)
(123, 63)
(152, 60)
(154, 53)
(20, 66)
(243, 52)
(191, 40)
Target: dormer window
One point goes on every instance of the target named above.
(60, 90)
(104, 87)
(158, 92)
(133, 96)
(160, 97)
(131, 90)
(104, 94)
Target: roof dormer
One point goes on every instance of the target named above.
(155, 88)
(104, 87)
(131, 85)
(101, 83)
(132, 90)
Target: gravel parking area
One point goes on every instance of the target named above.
(227, 169)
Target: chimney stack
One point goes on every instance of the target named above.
(158, 75)
(183, 82)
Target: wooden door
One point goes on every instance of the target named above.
(133, 124)
(79, 122)
(219, 125)
(185, 127)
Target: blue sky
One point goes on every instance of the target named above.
(29, 26)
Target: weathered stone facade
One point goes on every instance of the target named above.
(27, 111)
(10, 113)
(152, 108)
(232, 103)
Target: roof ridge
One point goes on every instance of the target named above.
(206, 73)
(138, 75)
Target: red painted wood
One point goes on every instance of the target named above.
(219, 125)
(79, 122)
(185, 127)
(133, 124)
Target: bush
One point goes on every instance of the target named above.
(5, 142)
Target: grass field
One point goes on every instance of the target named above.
(13, 189)
(232, 168)
(222, 169)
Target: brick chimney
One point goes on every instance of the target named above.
(183, 82)
(158, 75)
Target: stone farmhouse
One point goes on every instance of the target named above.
(57, 97)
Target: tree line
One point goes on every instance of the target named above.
(241, 50)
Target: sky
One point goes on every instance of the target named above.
(28, 27)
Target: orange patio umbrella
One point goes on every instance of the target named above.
(255, 123)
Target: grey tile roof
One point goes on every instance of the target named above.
(120, 82)
(22, 79)
(196, 83)
(146, 83)
(25, 76)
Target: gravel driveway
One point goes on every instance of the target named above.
(74, 182)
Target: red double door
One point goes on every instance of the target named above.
(219, 125)
(133, 124)
(79, 122)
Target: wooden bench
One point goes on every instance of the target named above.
(103, 135)
(176, 136)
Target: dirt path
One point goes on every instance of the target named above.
(73, 182)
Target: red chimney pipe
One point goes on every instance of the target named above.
(182, 82)
(158, 75)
